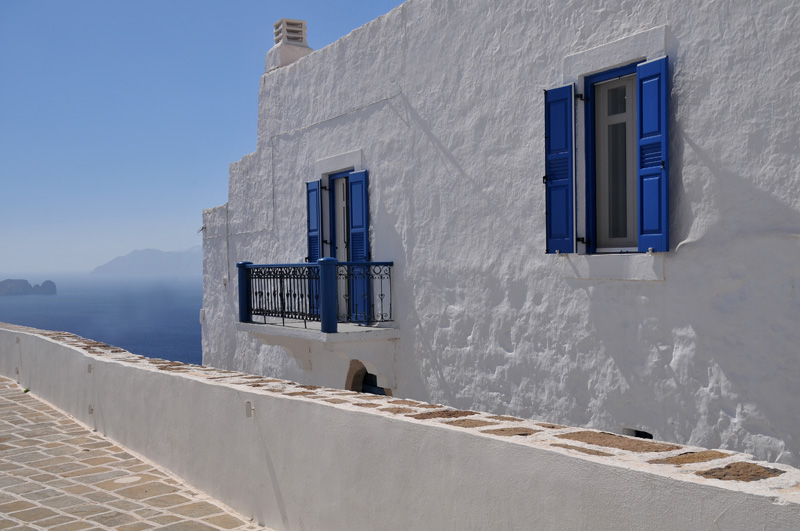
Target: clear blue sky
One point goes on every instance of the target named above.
(118, 119)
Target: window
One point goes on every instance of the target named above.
(338, 227)
(626, 153)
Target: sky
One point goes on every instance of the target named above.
(118, 119)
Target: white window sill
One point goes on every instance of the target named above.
(626, 266)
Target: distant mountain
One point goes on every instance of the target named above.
(155, 263)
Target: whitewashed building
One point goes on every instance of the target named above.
(591, 207)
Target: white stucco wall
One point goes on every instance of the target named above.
(444, 102)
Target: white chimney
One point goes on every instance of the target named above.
(290, 31)
(291, 43)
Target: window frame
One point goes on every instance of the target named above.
(590, 135)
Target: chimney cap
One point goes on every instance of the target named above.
(291, 31)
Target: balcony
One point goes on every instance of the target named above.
(329, 292)
(332, 307)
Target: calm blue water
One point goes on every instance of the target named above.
(154, 318)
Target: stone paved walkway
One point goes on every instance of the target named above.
(56, 474)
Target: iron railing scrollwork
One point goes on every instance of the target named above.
(367, 293)
(357, 292)
(285, 291)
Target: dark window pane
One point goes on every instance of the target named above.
(616, 101)
(617, 185)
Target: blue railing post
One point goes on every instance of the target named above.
(328, 295)
(244, 292)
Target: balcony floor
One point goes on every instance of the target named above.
(312, 330)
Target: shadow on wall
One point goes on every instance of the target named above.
(710, 366)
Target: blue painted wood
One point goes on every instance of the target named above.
(244, 292)
(359, 296)
(559, 168)
(314, 227)
(652, 82)
(328, 295)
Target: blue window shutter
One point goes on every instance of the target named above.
(359, 216)
(652, 85)
(559, 163)
(359, 246)
(314, 228)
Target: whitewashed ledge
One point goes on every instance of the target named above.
(293, 456)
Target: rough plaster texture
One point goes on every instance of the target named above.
(298, 457)
(444, 101)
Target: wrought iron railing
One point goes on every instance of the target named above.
(328, 291)
(365, 292)
(289, 291)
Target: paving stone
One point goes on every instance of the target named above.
(54, 521)
(42, 494)
(146, 490)
(93, 461)
(25, 443)
(50, 461)
(86, 510)
(96, 478)
(72, 526)
(166, 519)
(224, 521)
(9, 481)
(63, 501)
(43, 478)
(124, 505)
(14, 506)
(78, 489)
(147, 513)
(97, 444)
(62, 450)
(100, 497)
(196, 510)
(60, 483)
(63, 468)
(138, 526)
(5, 524)
(27, 457)
(186, 526)
(125, 481)
(22, 488)
(32, 515)
(113, 519)
(86, 471)
(168, 501)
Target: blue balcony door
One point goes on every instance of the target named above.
(349, 240)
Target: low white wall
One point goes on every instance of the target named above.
(297, 463)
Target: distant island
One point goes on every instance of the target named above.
(155, 263)
(18, 286)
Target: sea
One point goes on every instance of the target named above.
(153, 317)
